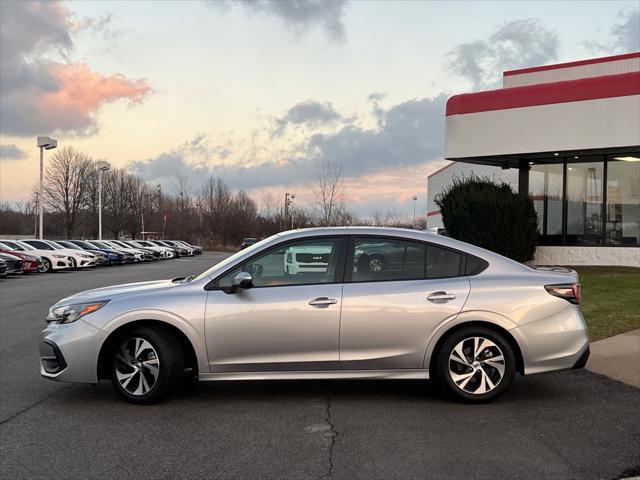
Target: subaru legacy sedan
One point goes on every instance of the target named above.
(385, 304)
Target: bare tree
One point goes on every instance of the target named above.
(116, 199)
(328, 191)
(66, 184)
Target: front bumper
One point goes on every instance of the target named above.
(69, 353)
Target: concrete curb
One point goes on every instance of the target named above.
(617, 357)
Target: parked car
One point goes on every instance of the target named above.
(138, 255)
(177, 251)
(52, 260)
(3, 268)
(13, 263)
(128, 255)
(30, 263)
(113, 257)
(149, 253)
(197, 249)
(165, 252)
(101, 258)
(468, 318)
(247, 242)
(78, 259)
(184, 251)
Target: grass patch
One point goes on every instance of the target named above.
(610, 299)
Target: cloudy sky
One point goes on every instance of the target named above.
(260, 92)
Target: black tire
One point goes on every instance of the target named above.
(445, 366)
(170, 372)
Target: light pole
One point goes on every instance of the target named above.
(43, 143)
(102, 167)
(288, 208)
(35, 216)
(292, 197)
(415, 197)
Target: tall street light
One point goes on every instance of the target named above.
(102, 167)
(415, 197)
(44, 143)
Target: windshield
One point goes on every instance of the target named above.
(234, 257)
(69, 245)
(53, 244)
(25, 246)
(6, 246)
(84, 245)
(100, 245)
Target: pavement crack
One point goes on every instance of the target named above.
(333, 435)
(29, 407)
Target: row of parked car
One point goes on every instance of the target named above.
(32, 255)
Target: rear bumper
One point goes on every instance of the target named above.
(557, 342)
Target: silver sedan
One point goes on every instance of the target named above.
(327, 303)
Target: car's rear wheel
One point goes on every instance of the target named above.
(475, 364)
(147, 365)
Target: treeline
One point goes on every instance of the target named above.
(214, 216)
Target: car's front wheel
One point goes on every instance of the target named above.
(147, 365)
(476, 364)
(46, 266)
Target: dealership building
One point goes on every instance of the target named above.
(567, 136)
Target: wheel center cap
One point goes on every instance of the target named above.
(475, 364)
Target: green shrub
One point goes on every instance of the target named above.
(489, 215)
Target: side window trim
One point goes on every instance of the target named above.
(338, 276)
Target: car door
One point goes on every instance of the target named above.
(286, 322)
(395, 293)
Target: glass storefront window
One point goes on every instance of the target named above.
(584, 203)
(622, 212)
(545, 189)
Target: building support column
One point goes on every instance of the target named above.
(523, 177)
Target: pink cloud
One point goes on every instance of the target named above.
(81, 92)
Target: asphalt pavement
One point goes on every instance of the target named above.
(566, 425)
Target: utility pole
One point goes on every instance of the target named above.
(415, 198)
(43, 143)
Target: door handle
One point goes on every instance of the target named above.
(322, 302)
(440, 296)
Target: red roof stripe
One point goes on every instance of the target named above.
(606, 86)
(612, 58)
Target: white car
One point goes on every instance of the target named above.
(307, 259)
(138, 254)
(52, 260)
(78, 258)
(165, 252)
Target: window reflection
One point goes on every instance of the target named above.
(584, 203)
(545, 189)
(622, 213)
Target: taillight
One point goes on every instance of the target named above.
(570, 292)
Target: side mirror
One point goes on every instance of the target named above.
(242, 281)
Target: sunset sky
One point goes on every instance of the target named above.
(260, 92)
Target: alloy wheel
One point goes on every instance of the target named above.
(137, 366)
(476, 365)
(46, 266)
(376, 265)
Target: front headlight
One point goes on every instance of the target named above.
(59, 256)
(71, 313)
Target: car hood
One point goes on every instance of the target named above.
(114, 291)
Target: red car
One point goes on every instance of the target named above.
(30, 263)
